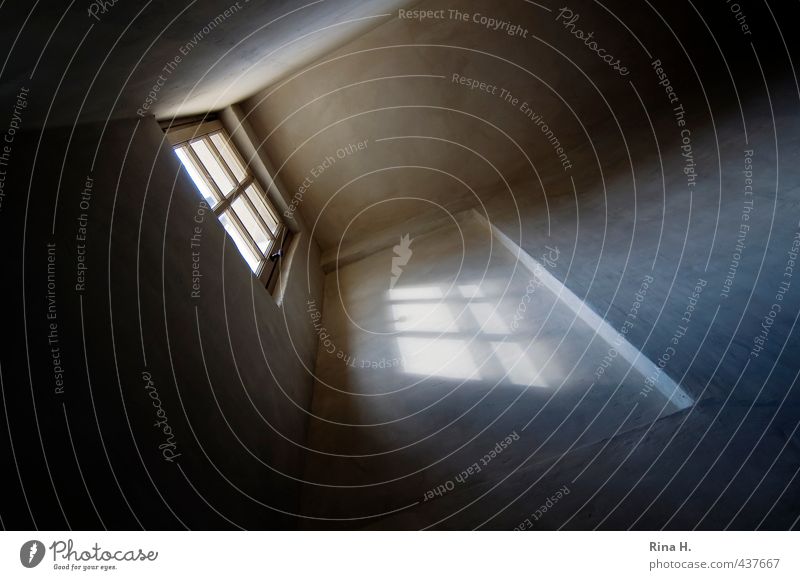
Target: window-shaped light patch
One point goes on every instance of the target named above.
(437, 357)
(517, 364)
(470, 291)
(487, 319)
(433, 317)
(415, 293)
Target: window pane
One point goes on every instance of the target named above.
(251, 223)
(211, 196)
(212, 165)
(257, 198)
(231, 158)
(238, 238)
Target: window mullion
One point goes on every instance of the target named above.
(227, 201)
(252, 206)
(220, 158)
(246, 182)
(266, 267)
(202, 168)
(243, 230)
(222, 206)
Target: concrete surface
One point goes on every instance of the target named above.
(416, 381)
(111, 59)
(666, 165)
(133, 402)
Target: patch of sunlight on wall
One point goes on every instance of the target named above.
(487, 319)
(415, 293)
(423, 317)
(517, 363)
(448, 358)
(470, 291)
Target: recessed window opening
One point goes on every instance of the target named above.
(234, 195)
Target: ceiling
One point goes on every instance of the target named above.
(438, 143)
(188, 56)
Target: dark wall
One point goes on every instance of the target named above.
(176, 410)
(709, 196)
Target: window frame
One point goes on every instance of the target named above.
(182, 137)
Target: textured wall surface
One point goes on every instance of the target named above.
(639, 142)
(159, 399)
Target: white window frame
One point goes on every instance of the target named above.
(269, 261)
